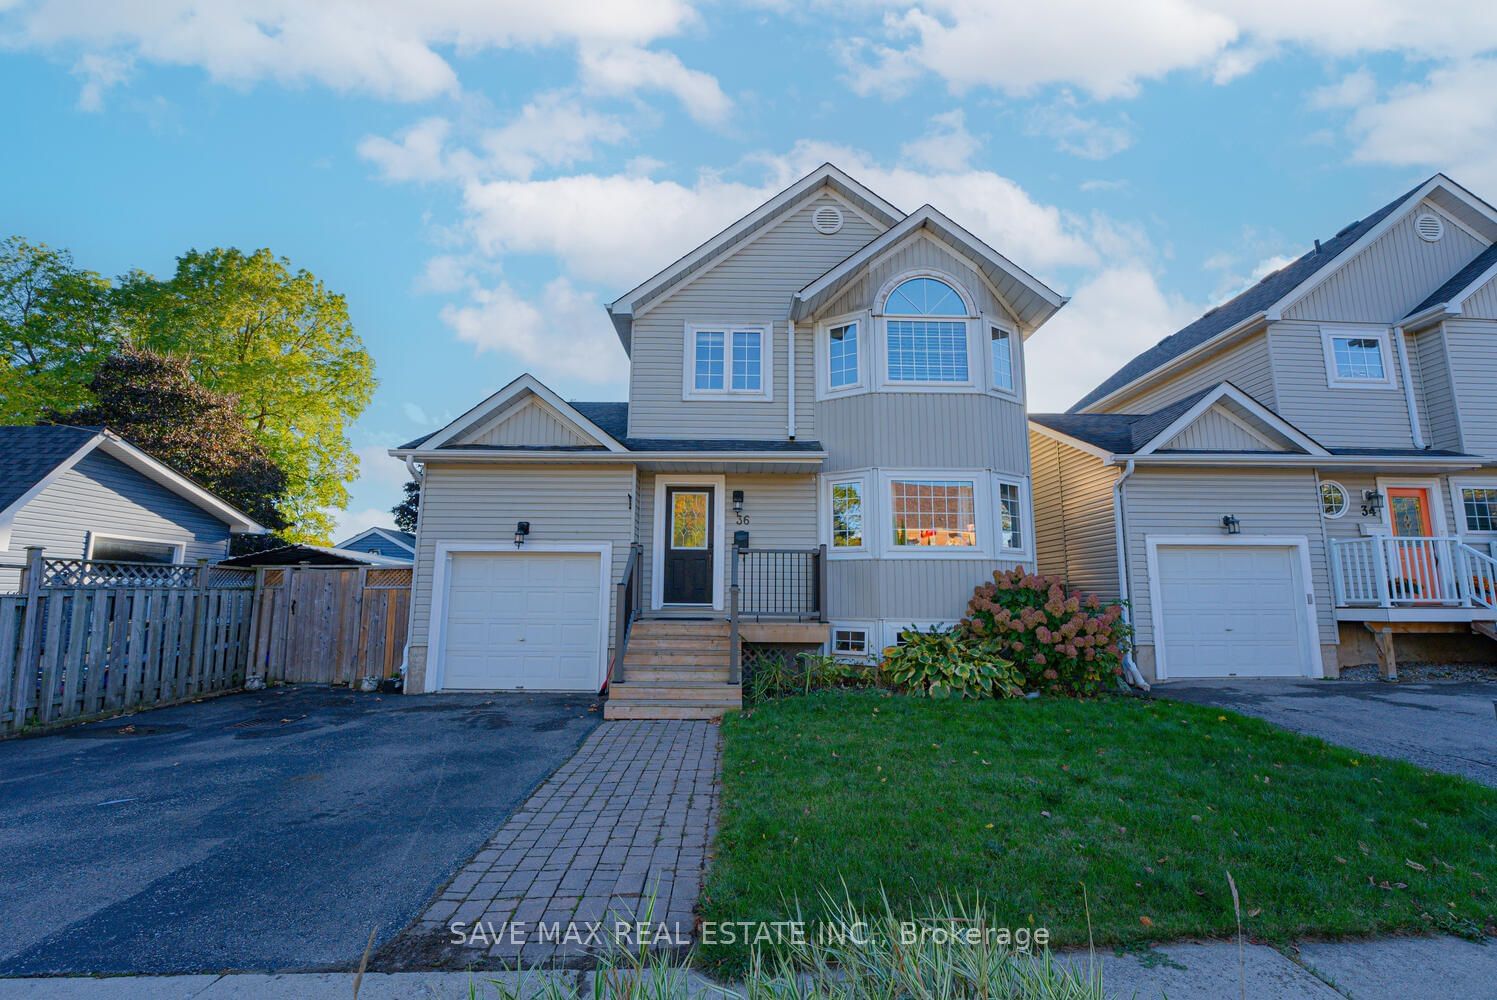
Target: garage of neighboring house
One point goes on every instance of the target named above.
(532, 619)
(1231, 610)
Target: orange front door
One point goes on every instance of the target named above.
(1409, 510)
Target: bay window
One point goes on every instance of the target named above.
(847, 514)
(921, 344)
(933, 513)
(925, 514)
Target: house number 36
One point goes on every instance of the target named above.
(742, 518)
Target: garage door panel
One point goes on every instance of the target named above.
(522, 620)
(1231, 610)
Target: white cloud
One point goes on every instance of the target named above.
(1112, 317)
(625, 69)
(1088, 138)
(1351, 91)
(566, 333)
(1104, 184)
(417, 153)
(99, 73)
(1447, 122)
(390, 49)
(946, 146)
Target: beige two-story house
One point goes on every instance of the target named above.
(1306, 476)
(825, 441)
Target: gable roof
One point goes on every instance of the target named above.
(621, 310)
(1140, 434)
(1476, 273)
(32, 458)
(1268, 297)
(1031, 300)
(404, 539)
(524, 385)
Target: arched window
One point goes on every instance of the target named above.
(921, 348)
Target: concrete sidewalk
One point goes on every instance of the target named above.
(1384, 969)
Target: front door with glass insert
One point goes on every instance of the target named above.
(1418, 559)
(688, 545)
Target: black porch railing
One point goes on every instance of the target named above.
(629, 596)
(774, 585)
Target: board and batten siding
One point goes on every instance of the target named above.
(479, 504)
(1213, 431)
(918, 252)
(1074, 517)
(906, 591)
(532, 423)
(1192, 502)
(1246, 365)
(753, 284)
(781, 512)
(1472, 349)
(1346, 416)
(1482, 303)
(1437, 410)
(1391, 276)
(104, 496)
(924, 430)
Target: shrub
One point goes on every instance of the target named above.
(775, 672)
(945, 664)
(1060, 641)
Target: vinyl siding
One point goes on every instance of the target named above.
(920, 252)
(1390, 277)
(1482, 303)
(1472, 346)
(103, 495)
(1074, 517)
(1336, 417)
(754, 284)
(781, 512)
(905, 591)
(1192, 502)
(1246, 365)
(381, 546)
(530, 424)
(481, 503)
(913, 430)
(1212, 431)
(1437, 409)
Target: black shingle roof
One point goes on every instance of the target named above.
(1119, 433)
(28, 454)
(1256, 299)
(612, 418)
(1478, 265)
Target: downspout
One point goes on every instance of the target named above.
(418, 473)
(1119, 536)
(790, 380)
(1408, 388)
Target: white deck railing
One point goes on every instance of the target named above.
(1387, 572)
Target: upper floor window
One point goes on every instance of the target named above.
(921, 348)
(726, 360)
(1001, 342)
(842, 356)
(1356, 356)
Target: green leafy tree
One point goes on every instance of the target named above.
(55, 327)
(409, 507)
(279, 342)
(152, 401)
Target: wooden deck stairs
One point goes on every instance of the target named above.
(674, 669)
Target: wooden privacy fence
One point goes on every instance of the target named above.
(330, 624)
(125, 639)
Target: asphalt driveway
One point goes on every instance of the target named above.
(265, 831)
(1446, 726)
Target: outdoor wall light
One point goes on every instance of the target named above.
(738, 501)
(521, 530)
(1372, 503)
(1231, 525)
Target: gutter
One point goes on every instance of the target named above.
(790, 381)
(1119, 537)
(608, 457)
(1408, 387)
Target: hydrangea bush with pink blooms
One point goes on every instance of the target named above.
(1061, 641)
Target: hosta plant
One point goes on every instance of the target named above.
(950, 664)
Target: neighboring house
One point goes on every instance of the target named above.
(1343, 414)
(317, 555)
(85, 493)
(383, 541)
(826, 372)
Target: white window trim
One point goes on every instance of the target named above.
(824, 388)
(179, 548)
(976, 352)
(1436, 502)
(1457, 485)
(1026, 526)
(1328, 334)
(719, 538)
(870, 519)
(982, 509)
(765, 392)
(1016, 358)
(1345, 498)
(871, 645)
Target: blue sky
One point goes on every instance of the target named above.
(479, 176)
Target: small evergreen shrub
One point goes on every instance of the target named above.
(1060, 641)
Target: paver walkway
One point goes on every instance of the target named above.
(619, 832)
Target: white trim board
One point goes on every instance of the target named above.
(179, 547)
(719, 541)
(1308, 611)
(1436, 500)
(499, 400)
(441, 576)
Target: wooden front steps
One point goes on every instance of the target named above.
(674, 669)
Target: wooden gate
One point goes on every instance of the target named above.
(329, 624)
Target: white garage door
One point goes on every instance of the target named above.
(1232, 611)
(522, 620)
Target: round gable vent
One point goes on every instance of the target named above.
(827, 219)
(1430, 227)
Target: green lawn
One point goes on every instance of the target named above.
(1147, 804)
